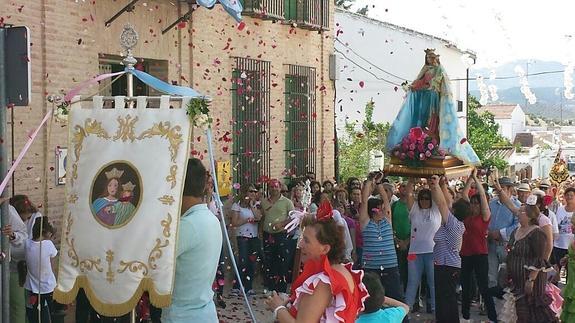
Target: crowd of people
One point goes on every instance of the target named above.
(432, 243)
(365, 250)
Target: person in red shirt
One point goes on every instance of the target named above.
(474, 249)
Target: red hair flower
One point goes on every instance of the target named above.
(325, 212)
(547, 200)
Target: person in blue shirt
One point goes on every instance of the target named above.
(379, 308)
(197, 254)
(502, 224)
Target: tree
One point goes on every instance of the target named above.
(363, 11)
(484, 135)
(355, 145)
(345, 4)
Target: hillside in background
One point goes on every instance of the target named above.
(508, 70)
(546, 87)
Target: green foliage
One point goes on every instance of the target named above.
(483, 134)
(198, 111)
(345, 4)
(363, 10)
(498, 162)
(355, 145)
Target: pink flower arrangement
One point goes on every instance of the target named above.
(417, 147)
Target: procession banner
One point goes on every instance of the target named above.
(124, 185)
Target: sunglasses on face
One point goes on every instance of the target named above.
(425, 198)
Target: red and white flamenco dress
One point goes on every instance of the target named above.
(345, 305)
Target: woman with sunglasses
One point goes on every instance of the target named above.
(425, 220)
(245, 217)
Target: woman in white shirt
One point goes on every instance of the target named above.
(565, 236)
(246, 214)
(425, 221)
(26, 210)
(40, 280)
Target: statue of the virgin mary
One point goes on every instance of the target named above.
(429, 105)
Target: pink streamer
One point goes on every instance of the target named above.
(73, 92)
(23, 152)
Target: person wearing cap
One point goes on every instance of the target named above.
(278, 250)
(523, 191)
(503, 222)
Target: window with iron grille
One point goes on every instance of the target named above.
(300, 120)
(312, 14)
(271, 9)
(113, 63)
(251, 120)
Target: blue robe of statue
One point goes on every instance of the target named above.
(429, 105)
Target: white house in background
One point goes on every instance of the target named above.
(374, 57)
(509, 117)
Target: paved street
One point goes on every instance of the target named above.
(236, 311)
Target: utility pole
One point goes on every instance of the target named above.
(5, 281)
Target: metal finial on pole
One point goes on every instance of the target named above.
(128, 40)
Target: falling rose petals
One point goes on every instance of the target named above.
(464, 140)
(241, 26)
(361, 84)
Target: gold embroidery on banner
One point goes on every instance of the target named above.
(83, 265)
(172, 177)
(91, 127)
(133, 266)
(72, 198)
(156, 253)
(110, 273)
(70, 242)
(166, 224)
(163, 129)
(74, 173)
(166, 199)
(126, 128)
(90, 264)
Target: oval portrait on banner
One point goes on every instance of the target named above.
(115, 194)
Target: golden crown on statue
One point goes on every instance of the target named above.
(430, 51)
(128, 186)
(114, 173)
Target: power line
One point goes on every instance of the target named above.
(365, 69)
(512, 77)
(402, 78)
(369, 62)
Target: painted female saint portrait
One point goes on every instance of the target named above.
(429, 104)
(116, 194)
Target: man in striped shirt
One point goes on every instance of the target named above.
(378, 245)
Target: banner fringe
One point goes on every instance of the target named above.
(146, 285)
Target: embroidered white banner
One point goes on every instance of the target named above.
(124, 184)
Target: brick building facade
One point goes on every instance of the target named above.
(269, 82)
